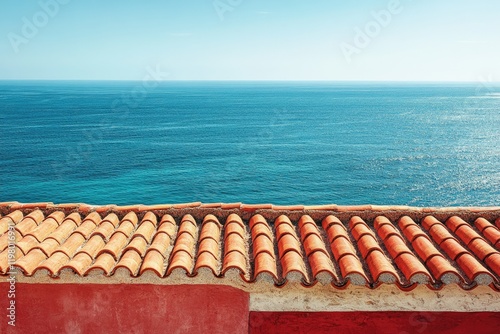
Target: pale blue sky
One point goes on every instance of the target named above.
(423, 40)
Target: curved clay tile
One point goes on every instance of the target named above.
(407, 262)
(130, 261)
(54, 263)
(153, 261)
(343, 251)
(30, 262)
(161, 243)
(473, 270)
(263, 249)
(79, 263)
(130, 217)
(71, 244)
(43, 230)
(48, 247)
(182, 256)
(86, 227)
(115, 246)
(290, 254)
(235, 249)
(93, 217)
(26, 244)
(26, 225)
(463, 248)
(93, 246)
(126, 228)
(104, 264)
(138, 244)
(209, 247)
(489, 231)
(111, 218)
(380, 267)
(63, 231)
(104, 230)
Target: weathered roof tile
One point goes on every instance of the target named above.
(280, 244)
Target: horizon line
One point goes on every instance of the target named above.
(257, 80)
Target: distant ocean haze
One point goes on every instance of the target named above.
(252, 142)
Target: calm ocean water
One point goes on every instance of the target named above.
(283, 143)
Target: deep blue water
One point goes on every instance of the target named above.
(281, 143)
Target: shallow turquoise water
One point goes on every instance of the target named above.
(283, 143)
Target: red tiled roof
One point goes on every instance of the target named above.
(361, 245)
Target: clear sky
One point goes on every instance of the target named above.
(421, 40)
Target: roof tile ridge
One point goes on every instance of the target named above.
(30, 206)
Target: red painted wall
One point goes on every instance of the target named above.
(125, 308)
(374, 322)
(142, 308)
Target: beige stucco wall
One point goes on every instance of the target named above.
(384, 298)
(264, 296)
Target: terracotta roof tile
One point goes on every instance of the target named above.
(265, 263)
(71, 244)
(130, 261)
(489, 231)
(493, 263)
(182, 256)
(79, 263)
(235, 248)
(263, 248)
(48, 247)
(153, 261)
(293, 263)
(263, 244)
(44, 229)
(104, 264)
(54, 263)
(93, 246)
(316, 252)
(29, 222)
(186, 205)
(85, 229)
(26, 244)
(161, 243)
(5, 239)
(229, 206)
(254, 207)
(209, 245)
(146, 231)
(115, 245)
(344, 252)
(334, 245)
(93, 217)
(64, 230)
(380, 268)
(139, 245)
(104, 230)
(12, 218)
(30, 262)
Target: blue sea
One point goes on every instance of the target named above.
(252, 142)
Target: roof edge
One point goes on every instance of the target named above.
(268, 211)
(241, 206)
